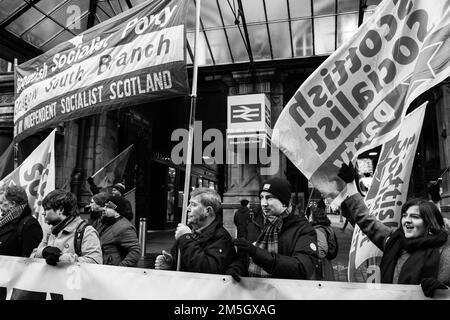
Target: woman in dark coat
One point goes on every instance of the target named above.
(418, 252)
(20, 232)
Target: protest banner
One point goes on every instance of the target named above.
(387, 192)
(132, 58)
(21, 278)
(359, 95)
(36, 175)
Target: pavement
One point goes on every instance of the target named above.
(159, 240)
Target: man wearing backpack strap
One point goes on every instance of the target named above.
(59, 244)
(20, 232)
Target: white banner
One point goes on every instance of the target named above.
(36, 174)
(388, 191)
(137, 56)
(90, 281)
(359, 95)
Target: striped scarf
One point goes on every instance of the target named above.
(268, 240)
(11, 215)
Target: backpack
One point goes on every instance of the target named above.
(332, 242)
(78, 238)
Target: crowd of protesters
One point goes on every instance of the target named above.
(274, 239)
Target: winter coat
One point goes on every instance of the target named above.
(325, 270)
(210, 251)
(354, 208)
(10, 242)
(120, 245)
(128, 213)
(297, 252)
(241, 219)
(91, 251)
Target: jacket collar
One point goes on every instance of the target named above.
(210, 229)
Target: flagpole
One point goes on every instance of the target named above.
(187, 178)
(16, 144)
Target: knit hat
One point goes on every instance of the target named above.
(120, 187)
(100, 198)
(117, 203)
(279, 188)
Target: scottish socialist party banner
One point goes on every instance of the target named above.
(134, 57)
(358, 96)
(32, 278)
(36, 174)
(387, 192)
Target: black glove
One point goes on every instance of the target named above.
(234, 273)
(347, 172)
(243, 245)
(90, 180)
(51, 255)
(429, 285)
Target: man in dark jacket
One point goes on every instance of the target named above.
(241, 219)
(205, 245)
(120, 245)
(286, 248)
(119, 190)
(20, 232)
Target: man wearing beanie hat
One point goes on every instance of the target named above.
(119, 190)
(118, 236)
(287, 246)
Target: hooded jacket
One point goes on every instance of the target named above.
(120, 245)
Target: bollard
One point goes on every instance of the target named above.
(143, 235)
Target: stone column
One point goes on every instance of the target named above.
(245, 180)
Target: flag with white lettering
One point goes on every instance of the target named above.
(387, 192)
(135, 57)
(36, 175)
(358, 96)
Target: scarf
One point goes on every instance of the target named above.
(58, 228)
(268, 240)
(94, 215)
(12, 214)
(422, 263)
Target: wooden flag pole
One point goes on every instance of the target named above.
(187, 178)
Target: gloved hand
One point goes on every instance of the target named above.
(51, 255)
(429, 286)
(347, 172)
(90, 180)
(243, 245)
(234, 273)
(164, 261)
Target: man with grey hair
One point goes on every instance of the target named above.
(20, 232)
(205, 246)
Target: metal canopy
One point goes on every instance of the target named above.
(232, 31)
